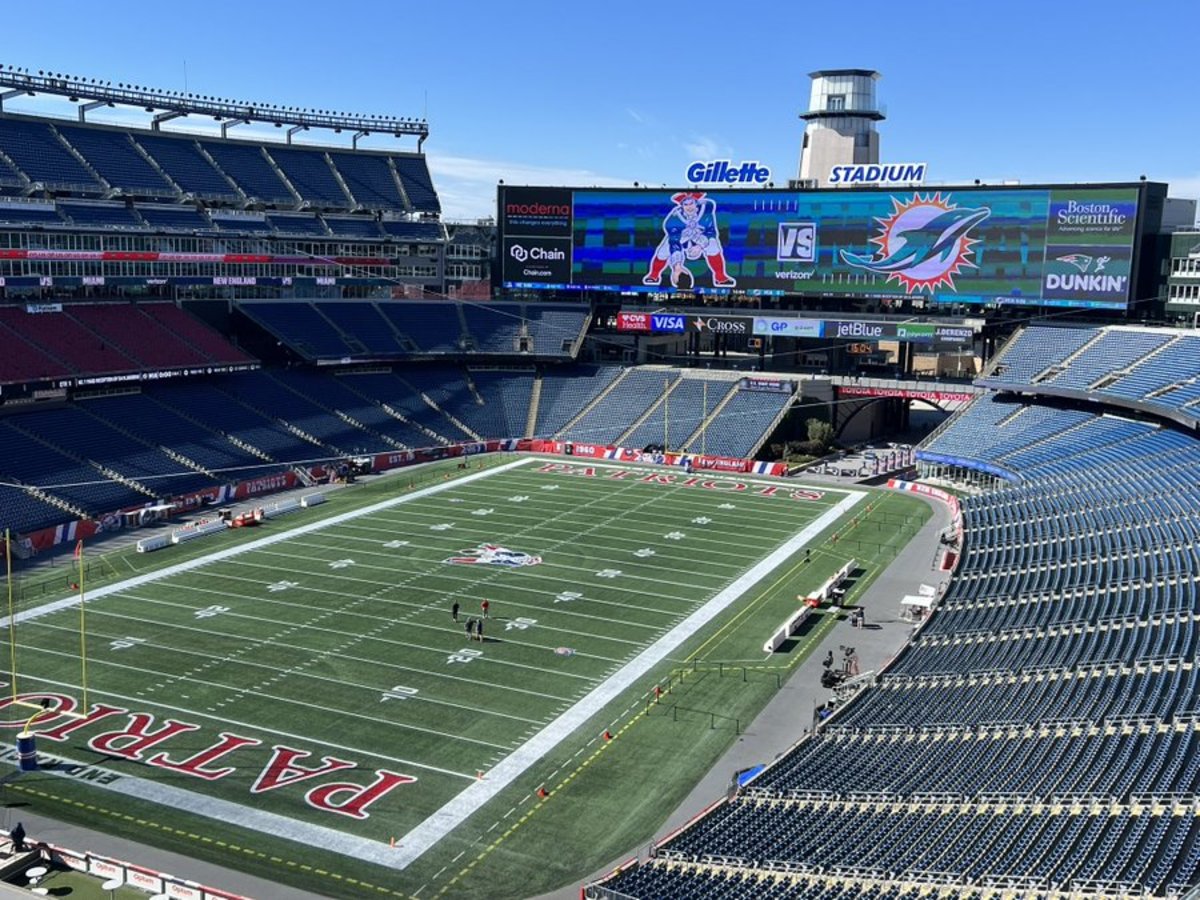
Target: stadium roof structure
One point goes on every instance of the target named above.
(16, 81)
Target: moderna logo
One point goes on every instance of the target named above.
(538, 209)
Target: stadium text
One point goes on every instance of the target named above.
(897, 173)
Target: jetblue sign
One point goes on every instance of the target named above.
(724, 171)
(892, 173)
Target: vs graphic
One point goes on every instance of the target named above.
(797, 242)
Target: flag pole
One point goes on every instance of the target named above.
(12, 616)
(82, 627)
(705, 422)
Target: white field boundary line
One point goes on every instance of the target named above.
(229, 552)
(457, 810)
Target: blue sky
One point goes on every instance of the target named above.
(565, 92)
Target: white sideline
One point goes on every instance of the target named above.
(457, 810)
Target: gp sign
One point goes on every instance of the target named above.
(769, 325)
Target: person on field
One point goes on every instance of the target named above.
(486, 606)
(454, 610)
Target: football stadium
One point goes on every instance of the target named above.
(717, 540)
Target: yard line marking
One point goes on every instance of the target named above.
(306, 703)
(458, 809)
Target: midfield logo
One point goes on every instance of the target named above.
(494, 555)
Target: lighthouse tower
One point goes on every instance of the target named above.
(840, 127)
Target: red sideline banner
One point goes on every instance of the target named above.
(850, 390)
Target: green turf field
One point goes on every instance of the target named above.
(291, 699)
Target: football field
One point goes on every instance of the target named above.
(301, 695)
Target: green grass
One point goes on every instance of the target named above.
(354, 661)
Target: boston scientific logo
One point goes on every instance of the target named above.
(724, 171)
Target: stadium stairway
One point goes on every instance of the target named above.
(183, 413)
(698, 435)
(355, 203)
(82, 160)
(770, 429)
(535, 398)
(599, 399)
(665, 397)
(438, 440)
(464, 332)
(175, 455)
(1053, 371)
(108, 473)
(434, 405)
(45, 496)
(391, 164)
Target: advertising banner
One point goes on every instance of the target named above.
(905, 393)
(639, 322)
(779, 327)
(1052, 245)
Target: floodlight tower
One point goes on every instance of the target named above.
(840, 127)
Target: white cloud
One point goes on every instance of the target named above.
(707, 147)
(467, 185)
(1186, 186)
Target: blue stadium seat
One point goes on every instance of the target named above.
(113, 155)
(181, 159)
(36, 150)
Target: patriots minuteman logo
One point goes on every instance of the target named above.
(494, 555)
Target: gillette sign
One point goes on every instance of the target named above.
(892, 173)
(724, 171)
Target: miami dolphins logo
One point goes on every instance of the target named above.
(923, 244)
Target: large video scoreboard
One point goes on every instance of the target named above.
(1057, 245)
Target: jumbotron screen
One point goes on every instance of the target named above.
(1046, 246)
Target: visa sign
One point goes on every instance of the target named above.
(672, 324)
(894, 173)
(724, 171)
